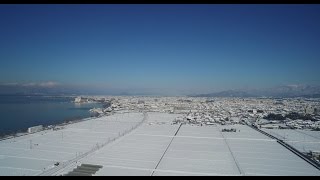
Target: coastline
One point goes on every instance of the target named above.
(48, 127)
(52, 110)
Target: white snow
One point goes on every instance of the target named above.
(196, 150)
(152, 149)
(302, 140)
(34, 153)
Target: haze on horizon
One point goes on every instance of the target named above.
(173, 49)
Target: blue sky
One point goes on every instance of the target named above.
(169, 48)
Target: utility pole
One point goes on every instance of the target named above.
(304, 140)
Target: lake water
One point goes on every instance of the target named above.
(21, 112)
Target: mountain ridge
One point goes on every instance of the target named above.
(285, 91)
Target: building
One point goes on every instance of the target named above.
(316, 154)
(80, 100)
(35, 129)
(309, 110)
(270, 126)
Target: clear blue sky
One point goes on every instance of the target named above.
(191, 48)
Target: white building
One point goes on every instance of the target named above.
(35, 129)
(79, 100)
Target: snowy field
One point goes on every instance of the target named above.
(138, 152)
(302, 140)
(260, 155)
(35, 153)
(153, 149)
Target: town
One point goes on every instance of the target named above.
(286, 113)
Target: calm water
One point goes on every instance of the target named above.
(21, 112)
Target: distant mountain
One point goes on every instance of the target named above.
(36, 90)
(229, 93)
(286, 91)
(292, 91)
(61, 89)
(311, 96)
(51, 88)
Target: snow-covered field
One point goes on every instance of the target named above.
(32, 154)
(260, 155)
(302, 140)
(155, 148)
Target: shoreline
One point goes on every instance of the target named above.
(66, 121)
(58, 115)
(46, 128)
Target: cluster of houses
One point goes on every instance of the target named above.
(207, 118)
(209, 111)
(289, 124)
